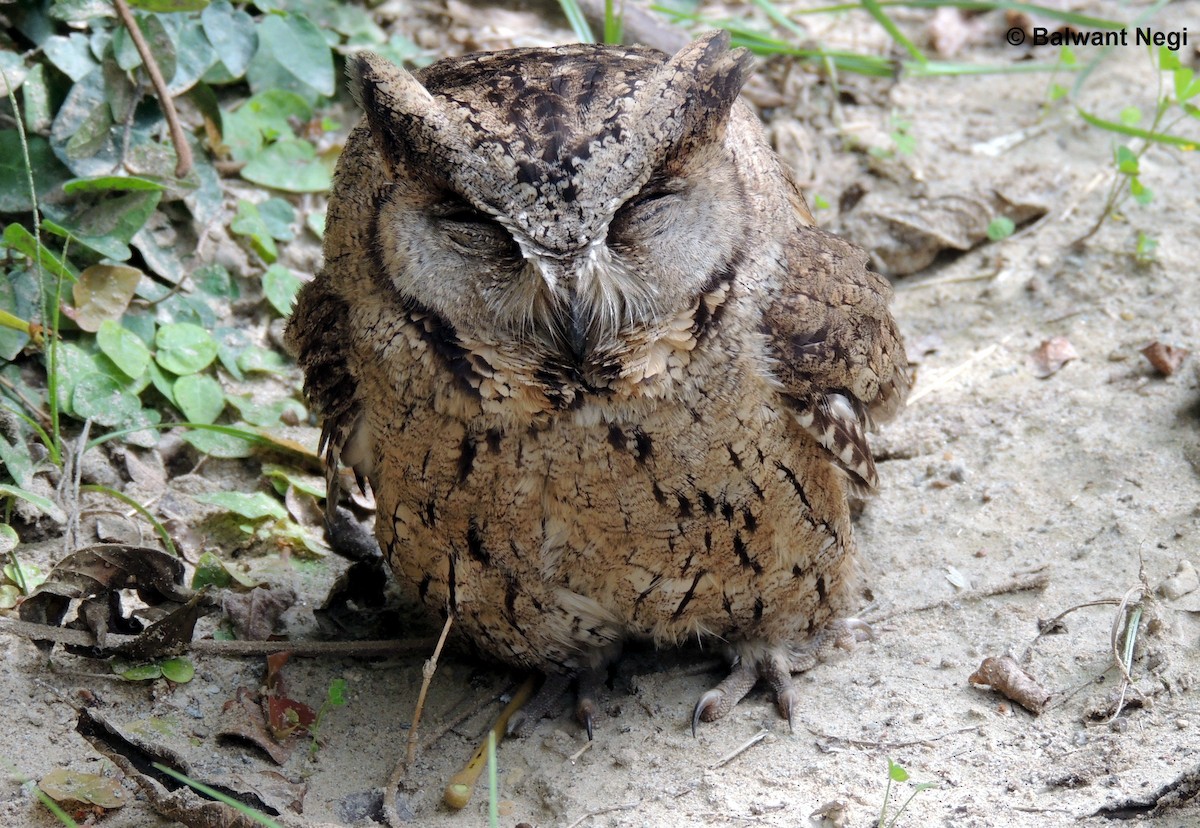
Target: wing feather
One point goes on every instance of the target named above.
(840, 356)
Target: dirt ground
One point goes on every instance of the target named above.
(1007, 499)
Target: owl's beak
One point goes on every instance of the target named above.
(577, 330)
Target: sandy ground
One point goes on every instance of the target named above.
(1007, 499)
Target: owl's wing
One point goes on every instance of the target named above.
(318, 334)
(840, 357)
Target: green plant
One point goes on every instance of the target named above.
(212, 793)
(334, 697)
(1177, 101)
(899, 775)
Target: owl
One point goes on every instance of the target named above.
(605, 377)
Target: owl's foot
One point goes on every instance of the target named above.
(547, 701)
(776, 667)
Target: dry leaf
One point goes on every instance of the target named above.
(1166, 359)
(1052, 355)
(1007, 678)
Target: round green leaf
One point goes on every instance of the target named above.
(123, 347)
(8, 596)
(101, 398)
(184, 348)
(178, 670)
(199, 397)
(292, 165)
(8, 539)
(300, 48)
(280, 286)
(231, 33)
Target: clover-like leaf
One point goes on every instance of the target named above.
(199, 397)
(123, 347)
(184, 348)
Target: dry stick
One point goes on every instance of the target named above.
(607, 810)
(229, 649)
(458, 791)
(183, 152)
(389, 795)
(740, 749)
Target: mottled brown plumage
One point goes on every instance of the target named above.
(605, 377)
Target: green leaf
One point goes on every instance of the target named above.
(1057, 92)
(169, 5)
(184, 348)
(283, 478)
(1127, 162)
(9, 537)
(256, 360)
(137, 672)
(70, 55)
(250, 505)
(897, 773)
(102, 293)
(109, 183)
(265, 415)
(1131, 115)
(291, 165)
(1186, 84)
(20, 240)
(1141, 193)
(315, 222)
(9, 595)
(278, 215)
(48, 507)
(231, 33)
(249, 222)
(337, 693)
(123, 347)
(211, 570)
(199, 397)
(48, 173)
(105, 225)
(26, 576)
(280, 286)
(103, 399)
(215, 280)
(1167, 60)
(1001, 227)
(1147, 249)
(215, 444)
(820, 202)
(179, 670)
(298, 47)
(1137, 132)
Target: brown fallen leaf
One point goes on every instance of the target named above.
(1005, 676)
(93, 575)
(243, 718)
(1166, 359)
(1051, 355)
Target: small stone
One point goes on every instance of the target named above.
(1183, 582)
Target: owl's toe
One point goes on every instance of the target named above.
(724, 697)
(545, 702)
(778, 674)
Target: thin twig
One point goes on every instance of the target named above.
(389, 794)
(1053, 622)
(740, 749)
(183, 152)
(608, 810)
(229, 649)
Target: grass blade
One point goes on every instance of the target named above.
(578, 22)
(1186, 144)
(876, 11)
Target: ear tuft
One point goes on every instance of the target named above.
(399, 111)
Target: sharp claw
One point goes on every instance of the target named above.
(709, 699)
(514, 723)
(587, 723)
